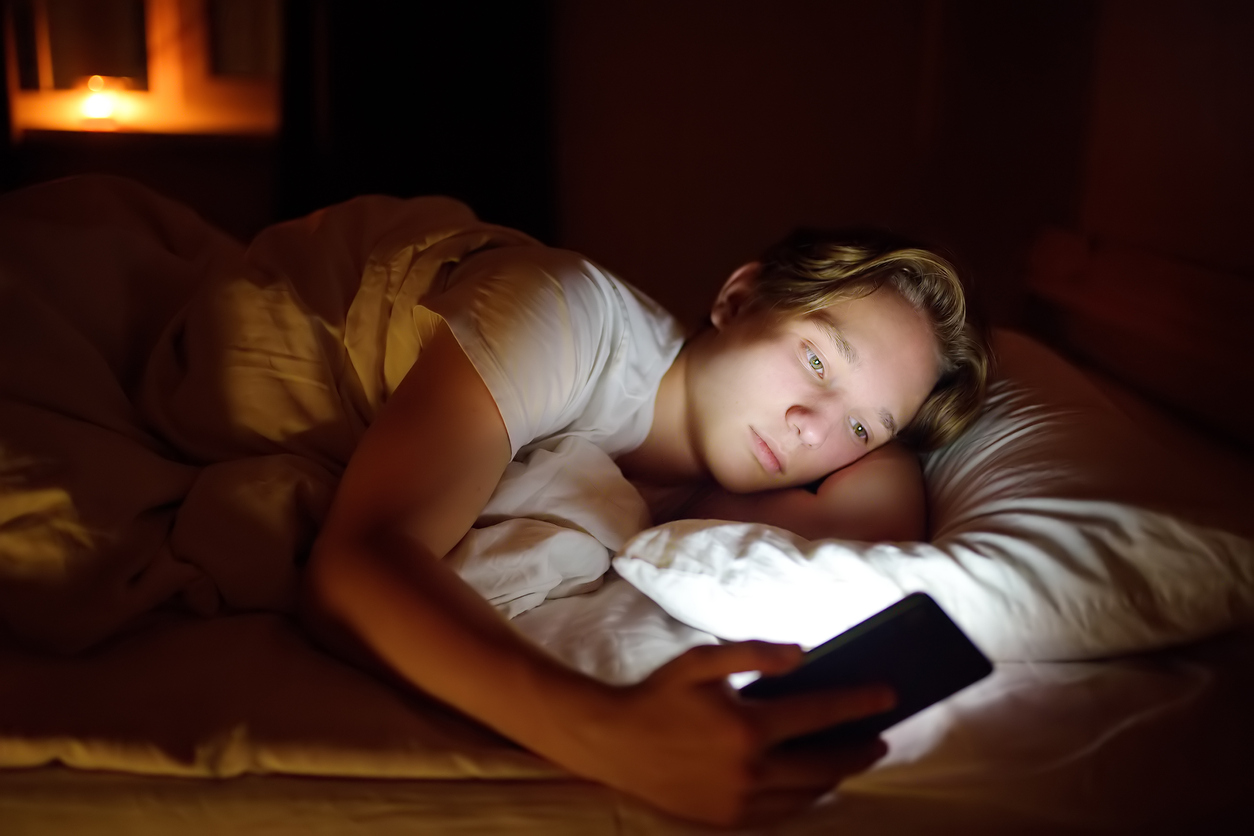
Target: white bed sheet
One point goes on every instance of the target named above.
(1151, 744)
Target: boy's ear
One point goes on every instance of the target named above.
(736, 295)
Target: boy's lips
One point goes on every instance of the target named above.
(765, 455)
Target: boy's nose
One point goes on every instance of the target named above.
(811, 426)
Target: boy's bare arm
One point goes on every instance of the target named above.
(415, 485)
(879, 497)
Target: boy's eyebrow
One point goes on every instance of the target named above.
(837, 336)
(890, 423)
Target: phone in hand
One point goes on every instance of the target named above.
(912, 647)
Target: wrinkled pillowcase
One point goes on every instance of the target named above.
(1059, 531)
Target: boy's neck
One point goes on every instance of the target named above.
(668, 455)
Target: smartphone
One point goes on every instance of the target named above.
(912, 647)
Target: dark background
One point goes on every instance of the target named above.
(672, 141)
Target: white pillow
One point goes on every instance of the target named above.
(1059, 531)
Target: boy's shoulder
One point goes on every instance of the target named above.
(559, 282)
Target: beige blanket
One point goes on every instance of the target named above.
(175, 409)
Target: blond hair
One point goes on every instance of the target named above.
(813, 269)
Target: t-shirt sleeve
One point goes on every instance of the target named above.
(539, 325)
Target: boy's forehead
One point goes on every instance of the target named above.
(829, 316)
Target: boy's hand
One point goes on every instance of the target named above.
(684, 741)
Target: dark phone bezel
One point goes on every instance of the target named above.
(913, 646)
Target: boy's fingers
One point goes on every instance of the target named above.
(782, 718)
(711, 663)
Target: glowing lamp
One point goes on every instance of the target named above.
(100, 104)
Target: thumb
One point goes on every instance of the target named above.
(711, 663)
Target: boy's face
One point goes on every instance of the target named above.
(778, 401)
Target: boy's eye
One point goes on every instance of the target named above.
(814, 361)
(859, 430)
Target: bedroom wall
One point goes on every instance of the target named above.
(1169, 165)
(418, 98)
(691, 135)
(687, 136)
(1168, 202)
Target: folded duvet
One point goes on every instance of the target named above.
(175, 409)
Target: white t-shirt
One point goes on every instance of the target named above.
(565, 348)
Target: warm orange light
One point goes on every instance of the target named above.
(99, 105)
(181, 95)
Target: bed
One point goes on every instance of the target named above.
(1096, 546)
